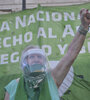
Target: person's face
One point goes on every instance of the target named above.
(35, 59)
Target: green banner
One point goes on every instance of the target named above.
(52, 28)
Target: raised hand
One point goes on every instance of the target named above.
(85, 18)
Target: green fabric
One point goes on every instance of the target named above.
(45, 91)
(80, 89)
(53, 88)
(20, 92)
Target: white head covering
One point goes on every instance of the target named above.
(34, 51)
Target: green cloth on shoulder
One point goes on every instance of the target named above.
(20, 92)
(48, 90)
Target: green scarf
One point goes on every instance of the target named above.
(47, 91)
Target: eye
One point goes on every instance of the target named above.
(40, 57)
(31, 57)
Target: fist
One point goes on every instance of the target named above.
(85, 17)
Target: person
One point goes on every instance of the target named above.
(38, 81)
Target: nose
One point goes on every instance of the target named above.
(36, 59)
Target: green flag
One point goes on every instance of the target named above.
(52, 28)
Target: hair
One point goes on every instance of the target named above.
(29, 47)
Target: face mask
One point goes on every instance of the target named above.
(34, 75)
(34, 68)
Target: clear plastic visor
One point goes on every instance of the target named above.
(34, 60)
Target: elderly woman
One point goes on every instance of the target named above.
(38, 82)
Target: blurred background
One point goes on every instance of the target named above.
(8, 6)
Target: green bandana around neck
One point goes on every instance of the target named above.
(47, 90)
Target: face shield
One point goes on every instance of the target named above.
(34, 60)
